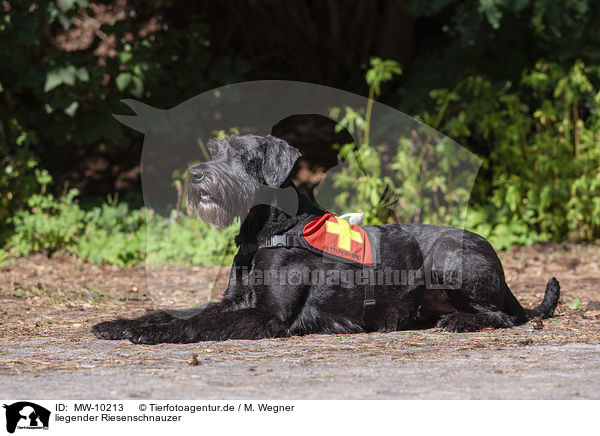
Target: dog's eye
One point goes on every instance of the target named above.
(197, 177)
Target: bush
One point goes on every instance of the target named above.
(423, 181)
(19, 176)
(182, 239)
(542, 181)
(50, 224)
(117, 235)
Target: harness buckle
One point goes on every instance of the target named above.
(367, 304)
(279, 241)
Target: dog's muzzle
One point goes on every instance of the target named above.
(198, 188)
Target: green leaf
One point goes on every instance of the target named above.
(137, 86)
(123, 80)
(575, 304)
(374, 197)
(125, 56)
(64, 75)
(82, 74)
(64, 20)
(72, 108)
(381, 71)
(52, 81)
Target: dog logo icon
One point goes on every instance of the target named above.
(26, 415)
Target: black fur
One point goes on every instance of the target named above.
(248, 177)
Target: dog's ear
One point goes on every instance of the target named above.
(213, 147)
(278, 160)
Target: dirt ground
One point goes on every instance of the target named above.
(46, 349)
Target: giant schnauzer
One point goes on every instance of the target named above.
(248, 177)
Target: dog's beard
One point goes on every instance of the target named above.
(215, 202)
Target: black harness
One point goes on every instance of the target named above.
(295, 240)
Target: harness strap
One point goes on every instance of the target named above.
(275, 241)
(369, 303)
(291, 240)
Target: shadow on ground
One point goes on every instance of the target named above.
(46, 350)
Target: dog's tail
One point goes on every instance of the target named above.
(546, 309)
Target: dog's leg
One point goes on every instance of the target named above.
(251, 323)
(271, 316)
(121, 328)
(117, 329)
(235, 298)
(471, 322)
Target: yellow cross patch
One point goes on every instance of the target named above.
(345, 234)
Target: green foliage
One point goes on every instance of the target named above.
(49, 225)
(434, 182)
(575, 304)
(496, 39)
(64, 66)
(360, 183)
(362, 170)
(62, 60)
(19, 175)
(414, 187)
(114, 234)
(183, 239)
(543, 179)
(417, 190)
(381, 71)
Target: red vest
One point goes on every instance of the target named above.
(338, 238)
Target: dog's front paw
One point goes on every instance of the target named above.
(113, 330)
(145, 335)
(174, 332)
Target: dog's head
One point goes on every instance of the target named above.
(226, 186)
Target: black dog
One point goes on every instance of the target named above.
(248, 176)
